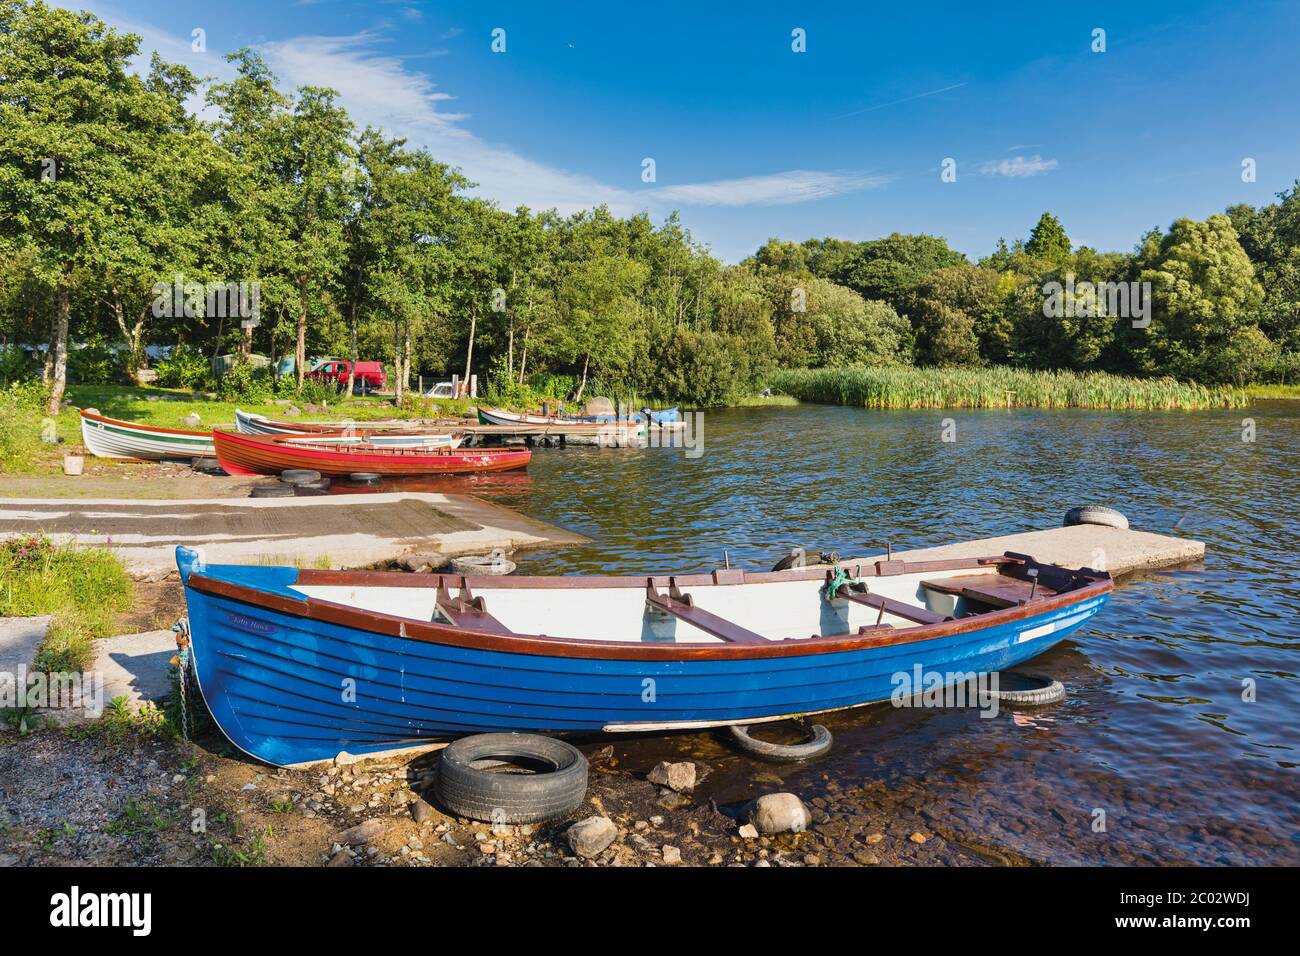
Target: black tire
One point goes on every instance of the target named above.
(820, 743)
(809, 556)
(209, 466)
(481, 564)
(364, 478)
(1096, 514)
(272, 491)
(1028, 690)
(470, 790)
(299, 476)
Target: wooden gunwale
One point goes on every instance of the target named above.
(378, 622)
(121, 423)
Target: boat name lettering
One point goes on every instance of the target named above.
(250, 624)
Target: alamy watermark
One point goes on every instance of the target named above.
(1087, 300)
(923, 688)
(23, 690)
(223, 300)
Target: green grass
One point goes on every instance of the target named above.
(765, 401)
(906, 387)
(1273, 391)
(83, 588)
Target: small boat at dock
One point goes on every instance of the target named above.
(107, 437)
(432, 657)
(498, 416)
(343, 454)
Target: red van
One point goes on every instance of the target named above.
(368, 375)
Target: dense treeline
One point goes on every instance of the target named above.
(360, 245)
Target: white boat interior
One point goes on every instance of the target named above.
(749, 612)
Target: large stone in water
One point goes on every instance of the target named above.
(780, 813)
(590, 837)
(675, 776)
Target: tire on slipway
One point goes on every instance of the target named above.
(299, 476)
(1027, 689)
(1096, 514)
(277, 490)
(819, 743)
(475, 778)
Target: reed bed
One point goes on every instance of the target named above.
(997, 387)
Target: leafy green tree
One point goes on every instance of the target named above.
(317, 166)
(948, 308)
(1204, 292)
(74, 153)
(889, 268)
(1048, 241)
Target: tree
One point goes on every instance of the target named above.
(888, 269)
(73, 151)
(1048, 241)
(316, 171)
(948, 307)
(1204, 292)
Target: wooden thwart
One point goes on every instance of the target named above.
(999, 590)
(908, 612)
(681, 606)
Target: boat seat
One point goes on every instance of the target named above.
(999, 590)
(467, 611)
(859, 594)
(682, 607)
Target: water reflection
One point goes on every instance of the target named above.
(1159, 734)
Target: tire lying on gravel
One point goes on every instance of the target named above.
(1028, 690)
(207, 466)
(482, 564)
(1096, 514)
(299, 476)
(364, 478)
(819, 743)
(272, 491)
(475, 778)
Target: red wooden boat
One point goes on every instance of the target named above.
(338, 455)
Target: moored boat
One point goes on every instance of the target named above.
(340, 454)
(377, 433)
(113, 438)
(499, 416)
(431, 657)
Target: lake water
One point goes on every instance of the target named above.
(1155, 741)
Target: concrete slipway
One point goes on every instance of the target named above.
(135, 665)
(340, 531)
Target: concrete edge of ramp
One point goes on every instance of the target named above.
(1101, 548)
(454, 524)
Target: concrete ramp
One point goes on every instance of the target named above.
(1086, 545)
(340, 531)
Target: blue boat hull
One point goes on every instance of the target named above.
(288, 689)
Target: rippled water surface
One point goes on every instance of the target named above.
(1155, 741)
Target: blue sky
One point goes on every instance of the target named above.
(752, 140)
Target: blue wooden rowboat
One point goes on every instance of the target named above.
(299, 665)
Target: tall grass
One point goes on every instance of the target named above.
(83, 588)
(997, 387)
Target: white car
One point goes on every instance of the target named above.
(441, 390)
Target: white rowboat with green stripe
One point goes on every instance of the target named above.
(113, 438)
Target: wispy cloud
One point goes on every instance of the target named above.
(1018, 166)
(380, 89)
(794, 186)
(905, 99)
